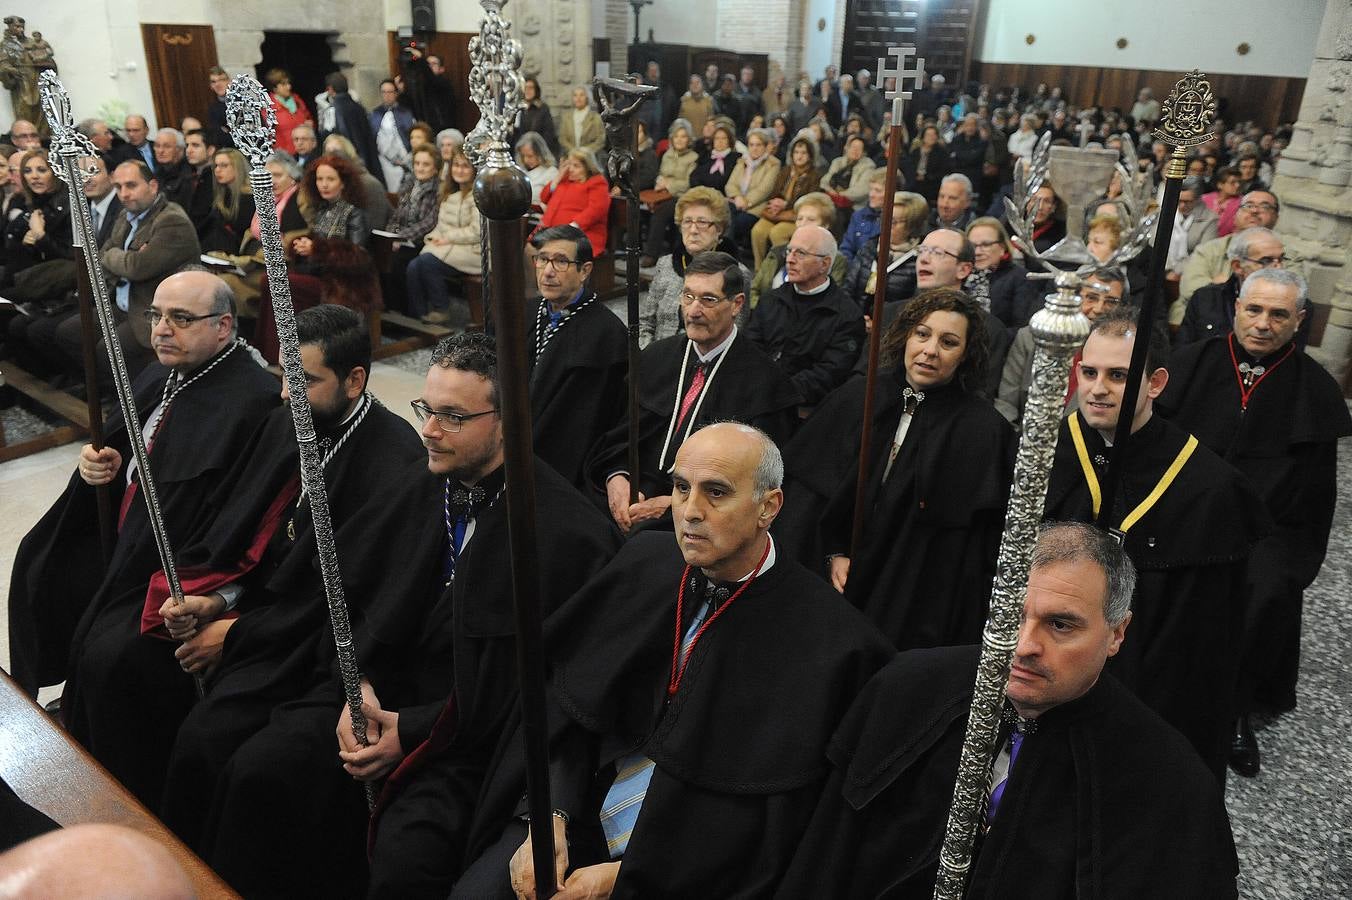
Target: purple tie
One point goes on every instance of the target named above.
(1015, 742)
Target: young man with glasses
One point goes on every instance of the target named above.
(578, 351)
(809, 324)
(1211, 309)
(199, 405)
(708, 373)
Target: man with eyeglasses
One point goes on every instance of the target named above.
(809, 324)
(578, 351)
(151, 240)
(433, 628)
(1211, 309)
(708, 373)
(171, 170)
(1254, 397)
(1209, 264)
(23, 134)
(199, 403)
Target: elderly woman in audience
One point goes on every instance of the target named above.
(1022, 142)
(846, 180)
(232, 205)
(1224, 200)
(715, 165)
(702, 214)
(533, 155)
(909, 212)
(375, 202)
(414, 216)
(927, 164)
(580, 127)
(1006, 283)
(1049, 218)
(673, 178)
(799, 177)
(1102, 236)
(752, 182)
(825, 137)
(536, 117)
(449, 140)
(289, 106)
(579, 196)
(814, 208)
(450, 249)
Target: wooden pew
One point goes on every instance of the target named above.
(55, 775)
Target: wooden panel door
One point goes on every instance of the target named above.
(453, 48)
(177, 60)
(944, 32)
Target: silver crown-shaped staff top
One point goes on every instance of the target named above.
(252, 123)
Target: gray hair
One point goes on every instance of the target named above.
(533, 140)
(681, 125)
(586, 90)
(1281, 277)
(1243, 240)
(293, 169)
(89, 127)
(827, 238)
(766, 134)
(1194, 183)
(454, 134)
(958, 178)
(305, 126)
(179, 140)
(1066, 542)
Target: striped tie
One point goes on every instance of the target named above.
(623, 801)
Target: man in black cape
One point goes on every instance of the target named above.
(1190, 521)
(708, 374)
(345, 116)
(205, 397)
(436, 621)
(938, 483)
(1091, 795)
(579, 353)
(257, 559)
(678, 768)
(1277, 416)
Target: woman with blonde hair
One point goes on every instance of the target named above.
(232, 204)
(450, 249)
(909, 212)
(810, 209)
(673, 180)
(800, 176)
(752, 181)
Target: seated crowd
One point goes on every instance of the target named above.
(759, 676)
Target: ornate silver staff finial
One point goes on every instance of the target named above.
(253, 124)
(1059, 329)
(495, 82)
(67, 143)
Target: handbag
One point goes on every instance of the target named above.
(653, 197)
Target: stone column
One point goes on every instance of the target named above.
(556, 45)
(1312, 181)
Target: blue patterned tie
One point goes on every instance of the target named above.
(634, 772)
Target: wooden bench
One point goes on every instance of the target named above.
(59, 402)
(56, 776)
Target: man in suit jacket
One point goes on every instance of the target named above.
(345, 116)
(150, 241)
(1194, 224)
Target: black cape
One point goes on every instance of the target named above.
(1286, 444)
(735, 781)
(1191, 553)
(577, 387)
(1104, 801)
(271, 649)
(417, 642)
(207, 427)
(748, 388)
(933, 531)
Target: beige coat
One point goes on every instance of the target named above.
(696, 110)
(458, 224)
(675, 170)
(858, 189)
(593, 136)
(762, 183)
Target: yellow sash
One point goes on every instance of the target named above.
(1091, 478)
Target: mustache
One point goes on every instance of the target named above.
(1027, 665)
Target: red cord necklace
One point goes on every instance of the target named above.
(677, 664)
(1246, 392)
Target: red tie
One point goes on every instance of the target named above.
(691, 394)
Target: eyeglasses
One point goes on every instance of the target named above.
(708, 301)
(1254, 207)
(799, 253)
(1267, 262)
(23, 134)
(449, 422)
(177, 320)
(984, 245)
(557, 263)
(700, 224)
(925, 251)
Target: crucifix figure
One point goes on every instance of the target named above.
(619, 122)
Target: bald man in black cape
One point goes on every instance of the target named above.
(260, 552)
(1092, 795)
(435, 642)
(695, 683)
(578, 352)
(710, 373)
(1191, 546)
(1263, 404)
(219, 396)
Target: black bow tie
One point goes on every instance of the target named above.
(713, 592)
(467, 499)
(1016, 722)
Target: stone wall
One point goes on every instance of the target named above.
(1312, 181)
(773, 27)
(556, 43)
